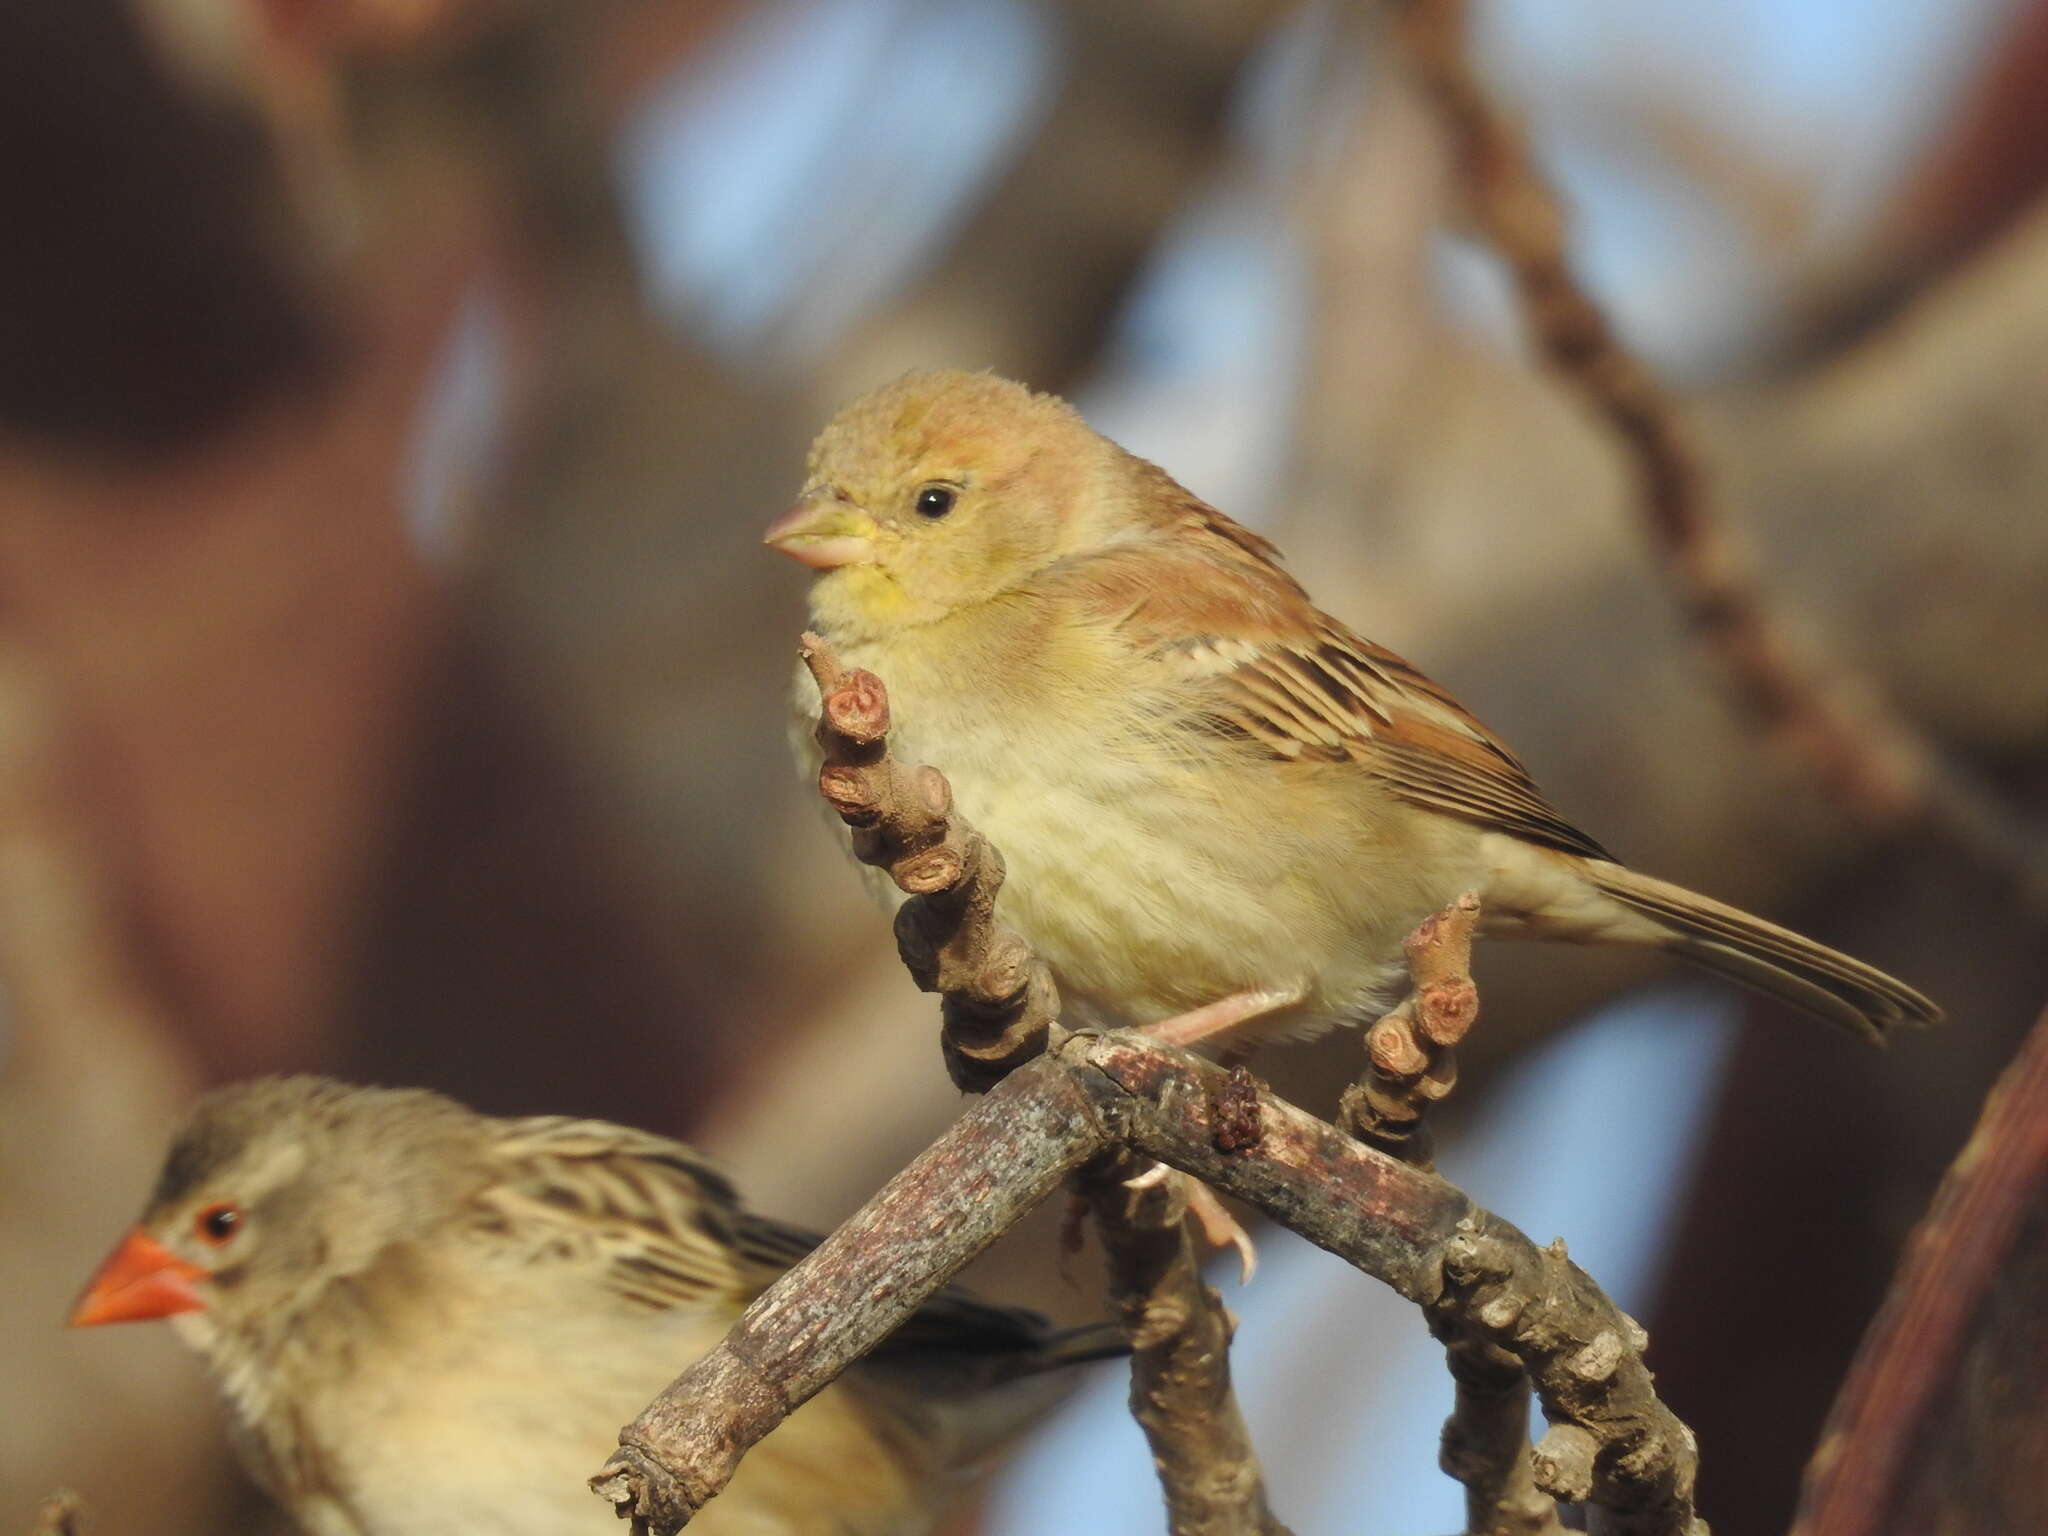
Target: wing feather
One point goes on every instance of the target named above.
(1238, 643)
(654, 1216)
(667, 1230)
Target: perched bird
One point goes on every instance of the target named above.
(426, 1320)
(1210, 795)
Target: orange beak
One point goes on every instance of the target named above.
(140, 1280)
(823, 531)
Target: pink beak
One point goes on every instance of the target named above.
(140, 1280)
(823, 531)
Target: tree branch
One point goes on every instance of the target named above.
(1486, 1442)
(994, 1164)
(1180, 1355)
(1908, 1394)
(1612, 1443)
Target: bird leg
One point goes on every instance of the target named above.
(1225, 1014)
(1198, 1026)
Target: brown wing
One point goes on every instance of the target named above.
(1205, 603)
(656, 1220)
(667, 1231)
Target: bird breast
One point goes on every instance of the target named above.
(1152, 879)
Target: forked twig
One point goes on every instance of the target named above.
(1180, 1354)
(1095, 1101)
(1486, 1442)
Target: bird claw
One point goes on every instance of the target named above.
(1151, 1178)
(1219, 1228)
(1222, 1230)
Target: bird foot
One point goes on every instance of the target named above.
(1223, 1015)
(1219, 1228)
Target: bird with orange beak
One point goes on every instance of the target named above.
(1210, 796)
(430, 1322)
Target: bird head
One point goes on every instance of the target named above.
(939, 492)
(271, 1192)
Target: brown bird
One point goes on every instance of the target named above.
(1210, 795)
(429, 1322)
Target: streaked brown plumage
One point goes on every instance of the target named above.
(1201, 783)
(430, 1322)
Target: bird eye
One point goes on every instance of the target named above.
(217, 1223)
(935, 501)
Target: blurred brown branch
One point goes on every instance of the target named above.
(1866, 754)
(1943, 1421)
(1136, 124)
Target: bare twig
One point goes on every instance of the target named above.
(1410, 1053)
(1486, 1442)
(1427, 1240)
(999, 1004)
(1864, 753)
(1612, 1443)
(1411, 1063)
(1180, 1356)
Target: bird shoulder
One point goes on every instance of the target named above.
(653, 1216)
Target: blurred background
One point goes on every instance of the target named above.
(392, 684)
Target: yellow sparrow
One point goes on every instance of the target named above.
(425, 1320)
(1203, 786)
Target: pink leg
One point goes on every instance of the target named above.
(1222, 1016)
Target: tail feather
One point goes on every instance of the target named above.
(1809, 976)
(958, 1406)
(1079, 1346)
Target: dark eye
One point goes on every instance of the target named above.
(935, 501)
(218, 1223)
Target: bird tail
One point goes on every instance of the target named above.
(1078, 1346)
(1730, 942)
(966, 1404)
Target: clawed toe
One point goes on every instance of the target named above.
(1220, 1229)
(1151, 1178)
